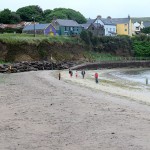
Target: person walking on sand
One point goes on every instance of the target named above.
(96, 77)
(76, 73)
(70, 72)
(59, 75)
(83, 73)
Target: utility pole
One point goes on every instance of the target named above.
(34, 25)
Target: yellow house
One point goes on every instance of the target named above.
(123, 26)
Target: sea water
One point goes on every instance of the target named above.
(135, 75)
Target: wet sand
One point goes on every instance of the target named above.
(38, 111)
(112, 84)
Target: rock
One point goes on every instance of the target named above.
(34, 66)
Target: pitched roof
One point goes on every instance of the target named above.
(107, 21)
(89, 21)
(37, 27)
(120, 20)
(65, 22)
(85, 26)
(146, 24)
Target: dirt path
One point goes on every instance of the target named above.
(40, 112)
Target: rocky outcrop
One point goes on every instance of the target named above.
(34, 66)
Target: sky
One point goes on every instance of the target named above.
(89, 8)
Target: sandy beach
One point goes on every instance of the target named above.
(40, 112)
(112, 84)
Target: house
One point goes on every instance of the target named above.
(87, 24)
(136, 28)
(67, 27)
(45, 29)
(96, 29)
(123, 26)
(105, 25)
(109, 26)
(15, 26)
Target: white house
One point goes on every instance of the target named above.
(109, 26)
(136, 27)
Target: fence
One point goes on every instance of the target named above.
(122, 59)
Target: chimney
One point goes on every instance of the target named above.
(108, 17)
(99, 17)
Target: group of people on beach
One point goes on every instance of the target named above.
(83, 74)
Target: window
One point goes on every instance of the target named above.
(114, 29)
(92, 28)
(65, 28)
(125, 25)
(125, 30)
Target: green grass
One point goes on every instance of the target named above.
(95, 56)
(29, 38)
(2, 62)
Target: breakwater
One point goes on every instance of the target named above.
(113, 64)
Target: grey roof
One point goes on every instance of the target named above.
(107, 21)
(65, 22)
(146, 24)
(89, 21)
(85, 26)
(120, 20)
(37, 27)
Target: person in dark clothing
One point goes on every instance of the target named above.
(83, 73)
(59, 75)
(70, 72)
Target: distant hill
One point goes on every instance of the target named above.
(144, 19)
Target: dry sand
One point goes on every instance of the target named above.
(39, 112)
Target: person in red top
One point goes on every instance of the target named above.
(96, 77)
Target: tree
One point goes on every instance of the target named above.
(63, 13)
(55, 15)
(15, 18)
(47, 12)
(8, 17)
(86, 36)
(26, 13)
(146, 30)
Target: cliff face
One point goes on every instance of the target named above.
(41, 51)
(16, 49)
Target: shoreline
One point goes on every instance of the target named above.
(39, 111)
(112, 84)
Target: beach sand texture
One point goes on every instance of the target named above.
(112, 84)
(40, 112)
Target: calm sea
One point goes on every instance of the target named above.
(139, 75)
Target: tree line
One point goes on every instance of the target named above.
(27, 13)
(136, 46)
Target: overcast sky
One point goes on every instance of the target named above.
(89, 8)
